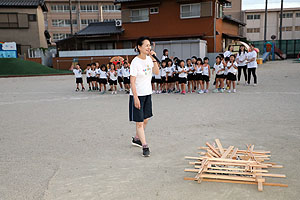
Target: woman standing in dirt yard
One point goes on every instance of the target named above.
(140, 103)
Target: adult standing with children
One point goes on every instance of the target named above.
(140, 103)
(252, 64)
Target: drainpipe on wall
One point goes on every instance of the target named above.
(215, 41)
(78, 15)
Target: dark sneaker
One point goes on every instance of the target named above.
(146, 152)
(77, 89)
(136, 142)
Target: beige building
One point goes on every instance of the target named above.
(23, 22)
(233, 9)
(83, 13)
(255, 20)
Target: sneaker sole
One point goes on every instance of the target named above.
(145, 155)
(136, 145)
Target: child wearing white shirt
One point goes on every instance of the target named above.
(241, 60)
(182, 75)
(232, 70)
(78, 75)
(219, 71)
(126, 76)
(103, 78)
(113, 79)
(88, 75)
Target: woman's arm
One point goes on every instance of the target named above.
(136, 100)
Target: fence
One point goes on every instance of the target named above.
(289, 47)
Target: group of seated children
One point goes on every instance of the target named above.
(98, 76)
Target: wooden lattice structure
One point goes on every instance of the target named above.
(232, 165)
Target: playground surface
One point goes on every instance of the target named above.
(56, 143)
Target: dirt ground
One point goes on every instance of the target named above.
(56, 143)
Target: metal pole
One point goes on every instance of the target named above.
(280, 26)
(71, 21)
(266, 13)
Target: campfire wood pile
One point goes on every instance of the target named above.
(232, 165)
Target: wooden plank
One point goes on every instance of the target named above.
(231, 164)
(227, 177)
(219, 146)
(242, 151)
(272, 175)
(240, 182)
(227, 152)
(234, 153)
(213, 149)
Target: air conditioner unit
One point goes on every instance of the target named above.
(118, 22)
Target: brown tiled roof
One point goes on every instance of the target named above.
(23, 3)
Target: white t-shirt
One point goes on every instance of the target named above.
(242, 58)
(103, 74)
(184, 74)
(205, 70)
(232, 69)
(170, 71)
(77, 73)
(227, 54)
(93, 73)
(112, 76)
(98, 71)
(164, 57)
(159, 75)
(199, 69)
(142, 70)
(88, 73)
(120, 71)
(218, 68)
(126, 72)
(163, 72)
(191, 69)
(251, 55)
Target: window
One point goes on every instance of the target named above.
(60, 36)
(88, 21)
(298, 14)
(13, 20)
(190, 10)
(32, 17)
(63, 22)
(228, 5)
(62, 8)
(154, 10)
(110, 20)
(253, 30)
(127, 45)
(286, 15)
(297, 28)
(111, 8)
(106, 45)
(250, 17)
(219, 10)
(139, 15)
(89, 8)
(287, 28)
(256, 16)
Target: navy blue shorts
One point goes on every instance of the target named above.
(145, 112)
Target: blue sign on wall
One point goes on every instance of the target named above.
(8, 50)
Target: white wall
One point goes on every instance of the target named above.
(182, 49)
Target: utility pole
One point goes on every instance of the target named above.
(280, 26)
(71, 21)
(266, 13)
